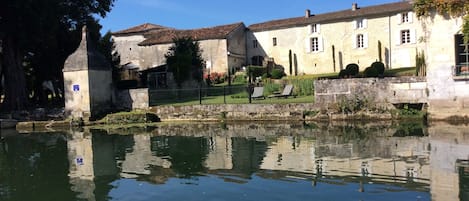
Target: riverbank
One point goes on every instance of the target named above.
(228, 113)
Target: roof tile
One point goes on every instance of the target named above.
(164, 36)
(377, 10)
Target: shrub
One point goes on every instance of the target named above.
(277, 74)
(216, 78)
(371, 72)
(241, 79)
(379, 66)
(352, 69)
(344, 73)
(255, 71)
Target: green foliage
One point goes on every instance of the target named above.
(255, 71)
(352, 69)
(344, 73)
(277, 74)
(271, 87)
(454, 8)
(379, 66)
(240, 79)
(352, 105)
(371, 72)
(184, 60)
(302, 87)
(42, 34)
(420, 64)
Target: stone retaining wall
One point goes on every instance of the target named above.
(380, 91)
(246, 112)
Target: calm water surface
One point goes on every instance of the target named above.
(238, 162)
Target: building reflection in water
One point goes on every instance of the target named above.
(368, 156)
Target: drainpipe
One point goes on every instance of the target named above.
(390, 42)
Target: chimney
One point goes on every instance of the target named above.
(307, 13)
(354, 6)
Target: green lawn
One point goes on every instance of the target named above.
(221, 94)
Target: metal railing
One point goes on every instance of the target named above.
(200, 95)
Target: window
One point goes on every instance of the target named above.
(405, 36)
(462, 56)
(314, 44)
(360, 24)
(274, 41)
(405, 17)
(360, 41)
(254, 43)
(315, 28)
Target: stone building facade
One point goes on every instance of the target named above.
(223, 47)
(326, 43)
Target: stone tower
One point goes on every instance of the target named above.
(87, 81)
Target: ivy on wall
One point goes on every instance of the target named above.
(453, 8)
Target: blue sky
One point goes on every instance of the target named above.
(189, 14)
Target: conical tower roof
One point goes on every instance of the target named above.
(86, 57)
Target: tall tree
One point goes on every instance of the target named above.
(40, 34)
(453, 8)
(184, 60)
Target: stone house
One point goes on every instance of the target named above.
(325, 43)
(223, 47)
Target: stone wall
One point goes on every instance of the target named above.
(132, 99)
(247, 112)
(379, 91)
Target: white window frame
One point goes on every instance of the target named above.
(405, 36)
(405, 18)
(360, 41)
(314, 44)
(361, 23)
(315, 28)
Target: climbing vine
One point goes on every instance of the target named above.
(453, 8)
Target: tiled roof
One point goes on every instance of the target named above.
(140, 29)
(164, 36)
(378, 10)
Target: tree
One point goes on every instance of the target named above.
(37, 37)
(184, 60)
(453, 8)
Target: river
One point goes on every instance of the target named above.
(239, 161)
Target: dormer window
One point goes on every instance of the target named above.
(405, 17)
(315, 28)
(360, 24)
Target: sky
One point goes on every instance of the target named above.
(191, 14)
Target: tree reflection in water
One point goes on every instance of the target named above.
(264, 161)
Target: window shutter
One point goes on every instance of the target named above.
(310, 29)
(398, 38)
(365, 40)
(354, 41)
(411, 17)
(318, 28)
(413, 36)
(354, 24)
(399, 18)
(308, 45)
(365, 23)
(320, 44)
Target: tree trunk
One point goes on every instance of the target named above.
(15, 84)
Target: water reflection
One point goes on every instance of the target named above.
(261, 161)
